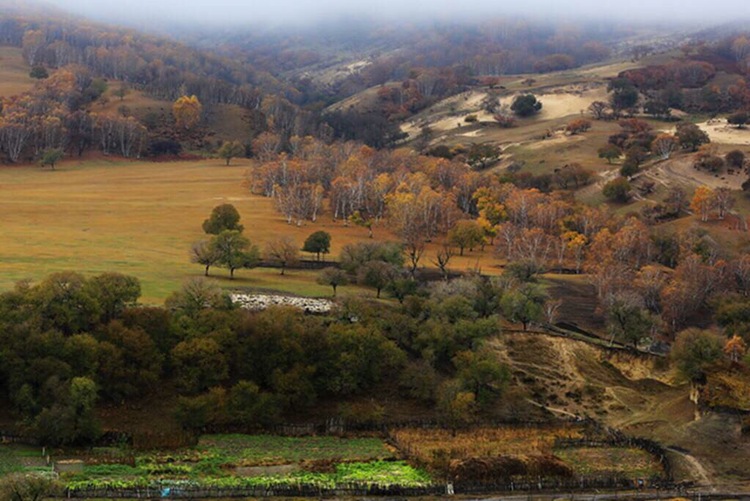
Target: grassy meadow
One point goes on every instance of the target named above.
(14, 72)
(138, 218)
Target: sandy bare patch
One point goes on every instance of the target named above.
(721, 132)
(681, 170)
(450, 114)
(571, 100)
(473, 133)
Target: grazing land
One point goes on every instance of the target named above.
(14, 72)
(140, 218)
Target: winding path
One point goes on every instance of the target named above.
(699, 472)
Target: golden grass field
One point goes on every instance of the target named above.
(483, 442)
(14, 72)
(140, 218)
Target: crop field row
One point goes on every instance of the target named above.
(249, 461)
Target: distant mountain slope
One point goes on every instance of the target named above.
(161, 67)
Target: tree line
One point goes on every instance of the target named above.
(70, 343)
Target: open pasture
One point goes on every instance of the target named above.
(140, 218)
(14, 72)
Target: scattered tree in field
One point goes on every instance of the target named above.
(695, 350)
(51, 157)
(376, 274)
(283, 252)
(617, 190)
(735, 159)
(739, 119)
(664, 145)
(691, 137)
(234, 251)
(703, 201)
(39, 72)
(610, 152)
(333, 277)
(598, 109)
(577, 126)
(442, 258)
(466, 235)
(318, 243)
(204, 252)
(526, 105)
(187, 111)
(230, 150)
(223, 217)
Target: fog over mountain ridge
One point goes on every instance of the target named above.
(282, 12)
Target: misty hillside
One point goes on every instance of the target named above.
(506, 250)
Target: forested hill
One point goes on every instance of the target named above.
(335, 60)
(85, 69)
(163, 68)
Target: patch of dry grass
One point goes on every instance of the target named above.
(483, 442)
(607, 460)
(140, 218)
(14, 72)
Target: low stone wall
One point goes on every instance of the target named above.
(257, 302)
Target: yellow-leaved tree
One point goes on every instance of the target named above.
(187, 111)
(703, 201)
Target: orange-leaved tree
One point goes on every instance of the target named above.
(703, 202)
